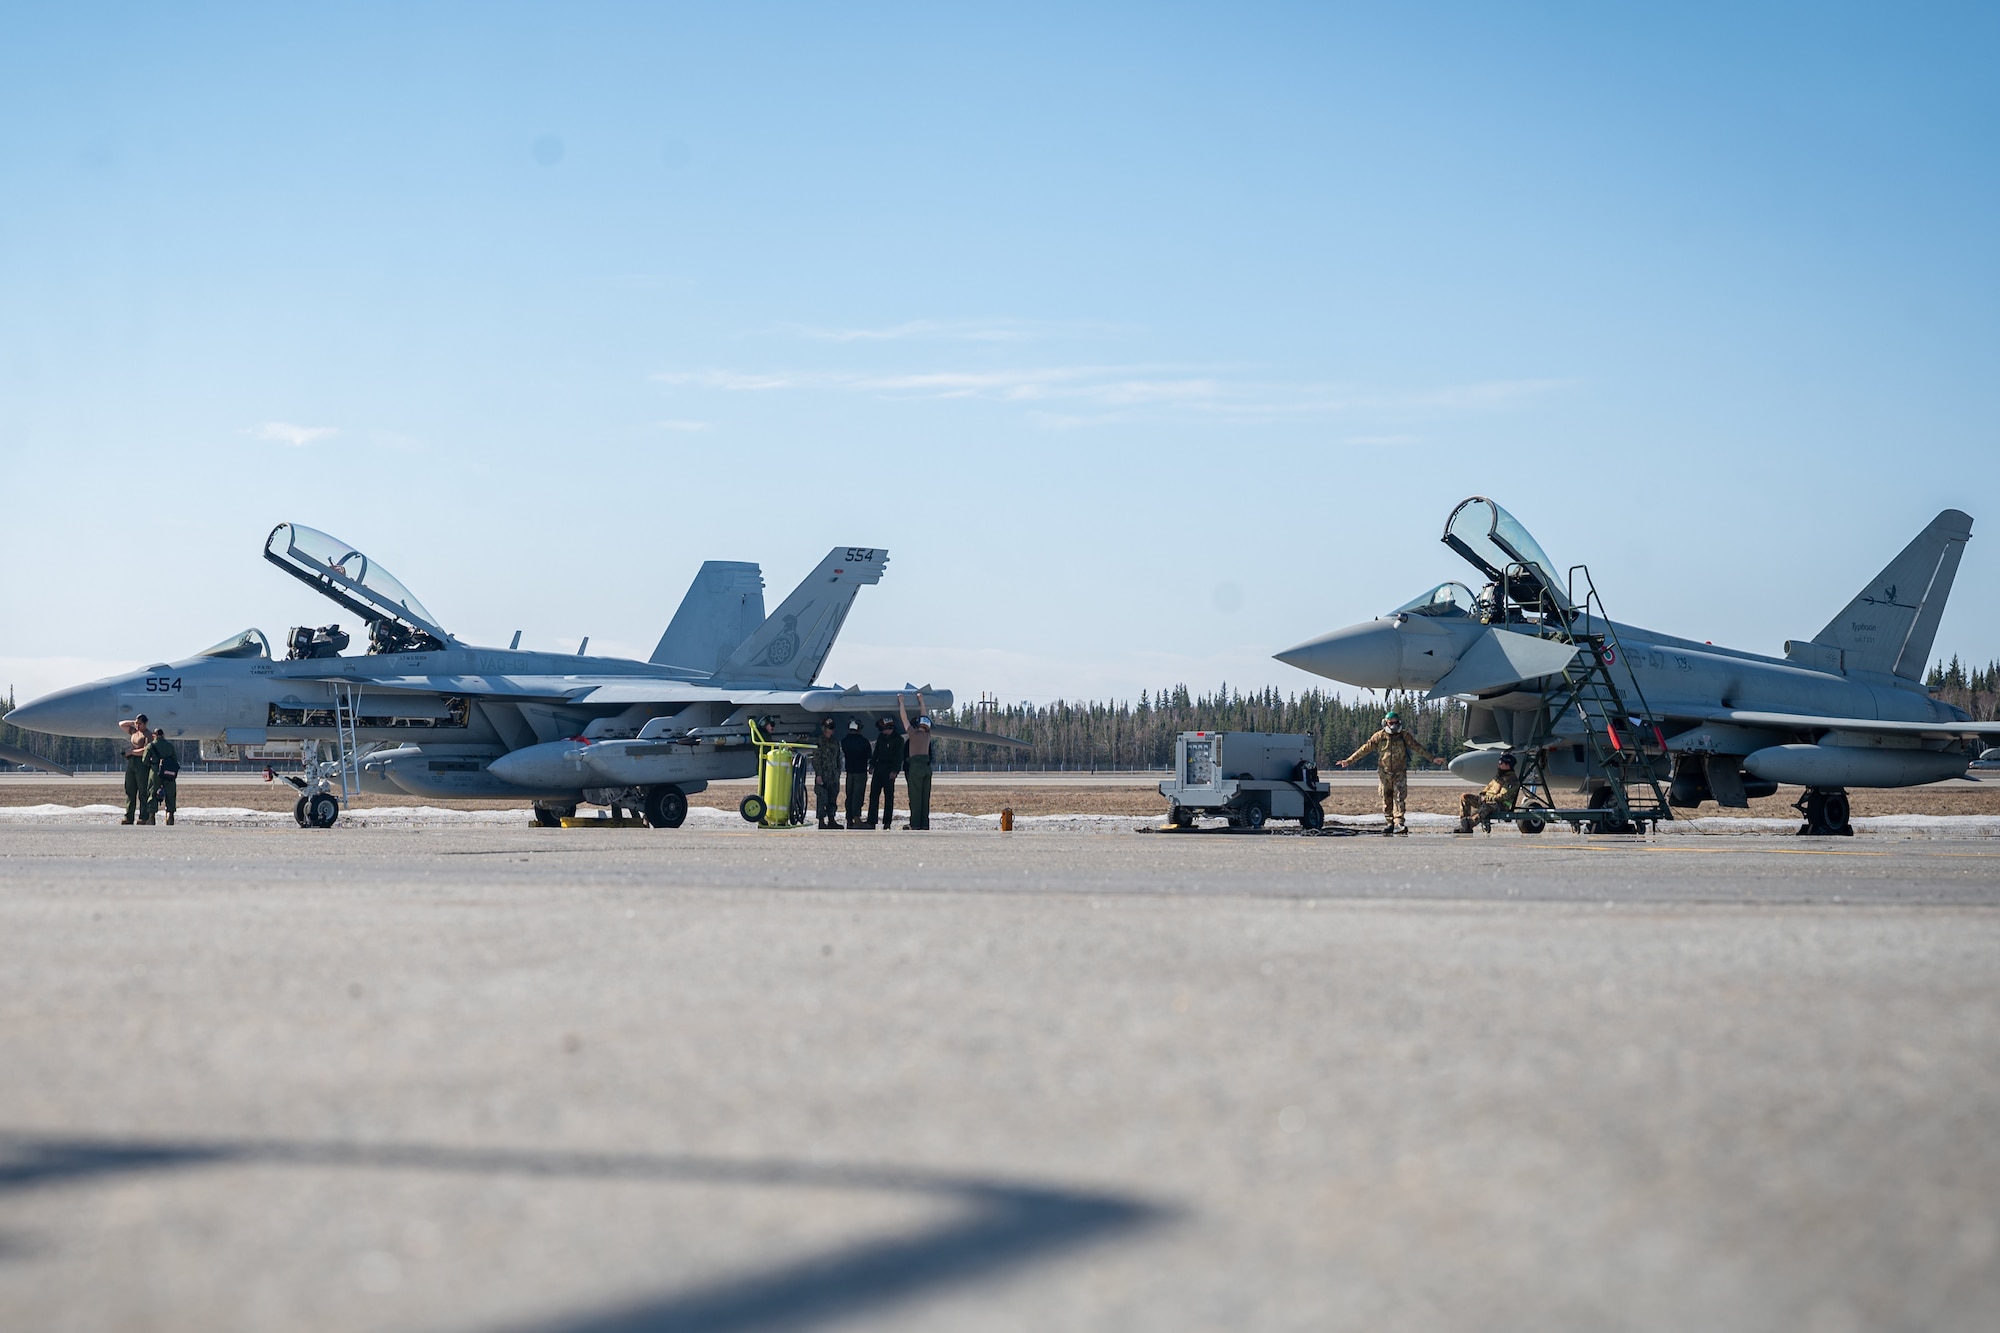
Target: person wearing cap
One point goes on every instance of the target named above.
(826, 773)
(1393, 769)
(1496, 797)
(917, 762)
(884, 762)
(138, 735)
(854, 750)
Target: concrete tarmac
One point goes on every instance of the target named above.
(488, 1077)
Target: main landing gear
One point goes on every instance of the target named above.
(1826, 814)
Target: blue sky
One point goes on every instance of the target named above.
(1149, 340)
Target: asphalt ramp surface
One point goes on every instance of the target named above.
(486, 1077)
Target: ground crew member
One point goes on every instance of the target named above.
(138, 736)
(1496, 797)
(163, 772)
(884, 762)
(854, 750)
(918, 763)
(826, 773)
(1392, 769)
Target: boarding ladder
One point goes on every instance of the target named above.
(1621, 738)
(346, 764)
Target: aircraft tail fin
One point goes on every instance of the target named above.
(1891, 624)
(788, 649)
(723, 607)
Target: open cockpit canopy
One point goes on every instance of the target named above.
(1494, 541)
(1447, 599)
(398, 622)
(250, 643)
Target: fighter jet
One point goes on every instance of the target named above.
(1846, 708)
(421, 713)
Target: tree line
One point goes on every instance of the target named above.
(1082, 735)
(1975, 689)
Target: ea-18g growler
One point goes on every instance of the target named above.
(421, 713)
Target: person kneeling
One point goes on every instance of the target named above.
(1497, 797)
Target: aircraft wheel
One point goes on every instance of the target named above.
(552, 816)
(1254, 816)
(1835, 814)
(1530, 824)
(299, 811)
(1314, 816)
(322, 810)
(666, 807)
(752, 808)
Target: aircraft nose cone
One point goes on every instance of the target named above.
(81, 710)
(1369, 655)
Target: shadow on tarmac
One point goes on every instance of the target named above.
(1005, 1224)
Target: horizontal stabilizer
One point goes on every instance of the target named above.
(1503, 657)
(18, 756)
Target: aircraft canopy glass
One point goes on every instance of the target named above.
(334, 564)
(1447, 599)
(250, 643)
(1488, 535)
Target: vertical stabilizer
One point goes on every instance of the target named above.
(788, 650)
(1891, 624)
(723, 607)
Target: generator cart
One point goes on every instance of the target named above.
(1248, 777)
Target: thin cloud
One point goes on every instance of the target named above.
(284, 432)
(1069, 396)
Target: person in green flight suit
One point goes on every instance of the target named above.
(883, 765)
(138, 735)
(826, 773)
(163, 773)
(1398, 747)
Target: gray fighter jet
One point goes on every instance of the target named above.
(421, 713)
(1544, 671)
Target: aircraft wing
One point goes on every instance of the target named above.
(16, 756)
(976, 737)
(1808, 722)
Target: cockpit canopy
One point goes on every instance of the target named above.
(1447, 599)
(398, 621)
(250, 643)
(1496, 543)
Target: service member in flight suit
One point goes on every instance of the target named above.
(138, 736)
(1479, 807)
(917, 763)
(163, 773)
(883, 765)
(1393, 768)
(826, 773)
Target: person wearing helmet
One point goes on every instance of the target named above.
(1497, 796)
(1393, 769)
(826, 772)
(917, 762)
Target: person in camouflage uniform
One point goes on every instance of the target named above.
(1392, 769)
(826, 773)
(1479, 807)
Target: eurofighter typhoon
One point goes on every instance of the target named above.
(1610, 709)
(421, 713)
